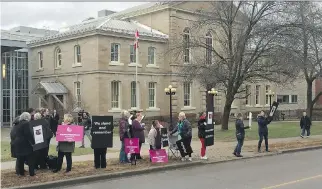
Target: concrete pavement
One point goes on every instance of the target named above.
(289, 171)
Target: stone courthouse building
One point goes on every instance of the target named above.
(92, 65)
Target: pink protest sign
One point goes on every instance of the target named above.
(158, 156)
(131, 145)
(70, 133)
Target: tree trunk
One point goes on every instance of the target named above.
(225, 117)
(309, 103)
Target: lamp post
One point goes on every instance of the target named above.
(210, 130)
(170, 91)
(210, 103)
(270, 94)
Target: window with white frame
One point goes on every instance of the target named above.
(115, 94)
(257, 94)
(294, 99)
(208, 48)
(133, 94)
(186, 94)
(58, 57)
(267, 88)
(40, 60)
(115, 52)
(78, 58)
(77, 88)
(186, 43)
(287, 99)
(132, 54)
(152, 94)
(248, 92)
(151, 55)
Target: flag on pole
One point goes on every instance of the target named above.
(136, 41)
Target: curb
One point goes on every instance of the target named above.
(79, 180)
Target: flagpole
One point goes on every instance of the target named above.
(136, 78)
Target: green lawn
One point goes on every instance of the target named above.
(6, 153)
(275, 130)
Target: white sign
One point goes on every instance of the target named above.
(250, 119)
(38, 134)
(209, 120)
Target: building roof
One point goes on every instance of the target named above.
(17, 36)
(112, 23)
(51, 87)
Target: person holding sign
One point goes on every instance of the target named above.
(202, 124)
(138, 132)
(262, 130)
(185, 132)
(240, 134)
(155, 135)
(65, 148)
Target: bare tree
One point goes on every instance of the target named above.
(303, 43)
(245, 36)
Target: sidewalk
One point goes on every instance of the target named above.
(221, 150)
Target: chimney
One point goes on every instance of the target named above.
(103, 13)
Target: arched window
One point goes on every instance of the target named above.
(58, 57)
(208, 48)
(186, 45)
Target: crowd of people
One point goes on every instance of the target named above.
(130, 126)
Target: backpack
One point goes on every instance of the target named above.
(52, 162)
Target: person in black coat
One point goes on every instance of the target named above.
(262, 130)
(13, 134)
(240, 135)
(54, 122)
(202, 124)
(22, 141)
(305, 124)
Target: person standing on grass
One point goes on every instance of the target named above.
(202, 124)
(262, 130)
(54, 122)
(138, 132)
(185, 132)
(86, 123)
(240, 134)
(124, 132)
(65, 148)
(305, 124)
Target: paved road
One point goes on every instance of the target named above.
(289, 171)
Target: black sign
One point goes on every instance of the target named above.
(102, 132)
(164, 137)
(209, 135)
(41, 133)
(272, 111)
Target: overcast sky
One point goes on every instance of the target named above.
(54, 15)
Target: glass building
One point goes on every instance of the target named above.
(14, 85)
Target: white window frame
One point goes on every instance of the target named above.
(267, 88)
(257, 94)
(58, 58)
(208, 50)
(77, 55)
(41, 60)
(152, 88)
(116, 99)
(248, 92)
(151, 60)
(112, 53)
(291, 99)
(78, 93)
(132, 54)
(133, 94)
(187, 85)
(186, 32)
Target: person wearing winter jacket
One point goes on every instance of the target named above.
(65, 148)
(86, 123)
(240, 134)
(154, 135)
(138, 132)
(202, 125)
(305, 124)
(185, 131)
(262, 130)
(124, 132)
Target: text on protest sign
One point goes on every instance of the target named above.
(102, 131)
(158, 156)
(69, 133)
(131, 145)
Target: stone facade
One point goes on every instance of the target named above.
(96, 72)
